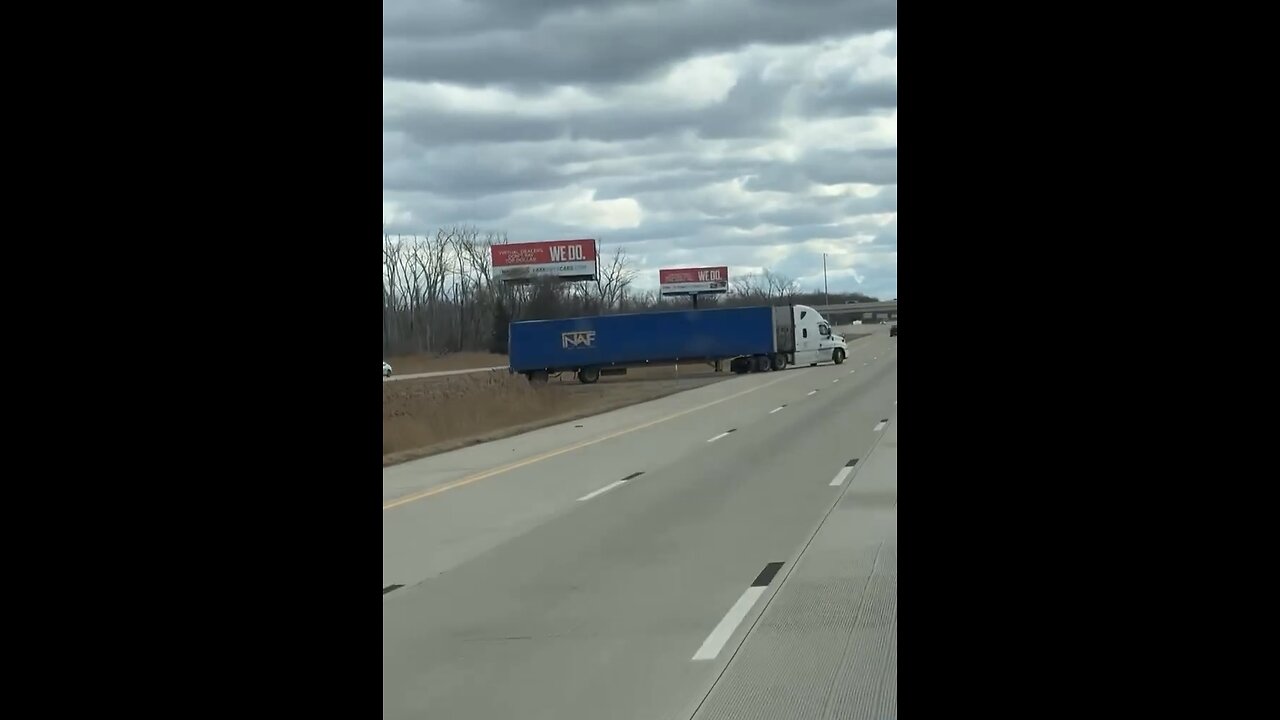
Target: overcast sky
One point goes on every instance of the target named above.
(749, 133)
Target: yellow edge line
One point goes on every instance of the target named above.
(538, 458)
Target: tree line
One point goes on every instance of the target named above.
(439, 294)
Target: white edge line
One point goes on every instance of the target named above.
(840, 476)
(774, 410)
(879, 426)
(723, 434)
(714, 643)
(604, 489)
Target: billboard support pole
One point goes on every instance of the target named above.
(826, 295)
(695, 300)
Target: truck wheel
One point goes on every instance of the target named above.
(538, 377)
(837, 356)
(778, 362)
(588, 375)
(762, 363)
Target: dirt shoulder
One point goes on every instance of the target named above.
(426, 416)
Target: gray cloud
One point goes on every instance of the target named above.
(873, 167)
(408, 19)
(851, 98)
(750, 110)
(541, 42)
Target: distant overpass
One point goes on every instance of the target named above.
(887, 310)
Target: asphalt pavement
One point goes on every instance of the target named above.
(613, 566)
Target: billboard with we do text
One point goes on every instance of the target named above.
(688, 281)
(557, 259)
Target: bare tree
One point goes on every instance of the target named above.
(614, 280)
(751, 287)
(780, 286)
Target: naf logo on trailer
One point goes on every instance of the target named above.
(578, 339)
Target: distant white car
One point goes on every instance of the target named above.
(386, 369)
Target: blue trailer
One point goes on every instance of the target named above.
(750, 338)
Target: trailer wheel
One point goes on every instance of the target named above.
(837, 356)
(588, 375)
(760, 363)
(778, 361)
(538, 377)
(740, 365)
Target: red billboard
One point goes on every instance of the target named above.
(562, 259)
(687, 281)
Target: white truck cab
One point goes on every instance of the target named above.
(815, 342)
(801, 337)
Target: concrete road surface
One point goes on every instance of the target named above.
(441, 373)
(611, 567)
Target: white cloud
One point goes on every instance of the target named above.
(582, 210)
(403, 97)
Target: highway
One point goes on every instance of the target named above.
(726, 552)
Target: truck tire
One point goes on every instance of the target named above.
(778, 361)
(588, 375)
(740, 365)
(761, 363)
(538, 377)
(837, 356)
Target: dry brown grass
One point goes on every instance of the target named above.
(422, 412)
(430, 362)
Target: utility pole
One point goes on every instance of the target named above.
(825, 292)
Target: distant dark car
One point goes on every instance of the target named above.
(893, 330)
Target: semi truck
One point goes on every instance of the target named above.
(750, 339)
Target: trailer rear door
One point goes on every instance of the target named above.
(784, 329)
